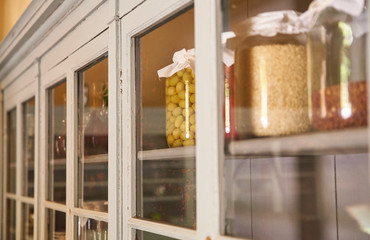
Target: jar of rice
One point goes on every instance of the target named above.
(271, 75)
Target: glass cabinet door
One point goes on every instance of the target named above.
(57, 143)
(55, 225)
(11, 151)
(286, 177)
(165, 121)
(28, 148)
(11, 180)
(91, 229)
(28, 221)
(93, 136)
(10, 226)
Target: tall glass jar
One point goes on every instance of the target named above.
(337, 70)
(180, 99)
(271, 82)
(180, 109)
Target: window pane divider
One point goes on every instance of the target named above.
(115, 172)
(163, 229)
(27, 200)
(19, 175)
(210, 133)
(12, 196)
(100, 216)
(72, 143)
(55, 206)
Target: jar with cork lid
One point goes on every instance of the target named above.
(337, 64)
(271, 75)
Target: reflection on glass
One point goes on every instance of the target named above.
(293, 198)
(93, 136)
(10, 219)
(353, 204)
(280, 198)
(56, 225)
(167, 193)
(11, 147)
(88, 228)
(141, 235)
(57, 143)
(153, 97)
(28, 147)
(277, 195)
(27, 221)
(165, 188)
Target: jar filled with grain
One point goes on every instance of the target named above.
(337, 64)
(271, 75)
(180, 99)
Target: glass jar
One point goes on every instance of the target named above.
(337, 70)
(271, 83)
(229, 104)
(180, 109)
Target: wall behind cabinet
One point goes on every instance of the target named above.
(10, 11)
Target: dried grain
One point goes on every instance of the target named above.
(275, 98)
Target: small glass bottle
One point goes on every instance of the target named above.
(337, 70)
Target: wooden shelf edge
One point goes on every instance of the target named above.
(308, 144)
(167, 154)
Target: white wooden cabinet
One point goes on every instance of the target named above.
(247, 189)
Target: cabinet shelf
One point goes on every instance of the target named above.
(100, 158)
(162, 199)
(168, 154)
(309, 144)
(163, 180)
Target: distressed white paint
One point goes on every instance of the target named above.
(209, 101)
(115, 195)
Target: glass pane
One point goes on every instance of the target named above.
(167, 193)
(141, 235)
(56, 225)
(93, 137)
(166, 183)
(291, 171)
(28, 220)
(10, 220)
(28, 148)
(12, 154)
(57, 143)
(88, 228)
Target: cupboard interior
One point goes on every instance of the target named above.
(272, 196)
(267, 197)
(93, 136)
(165, 188)
(299, 195)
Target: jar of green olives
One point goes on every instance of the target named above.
(180, 99)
